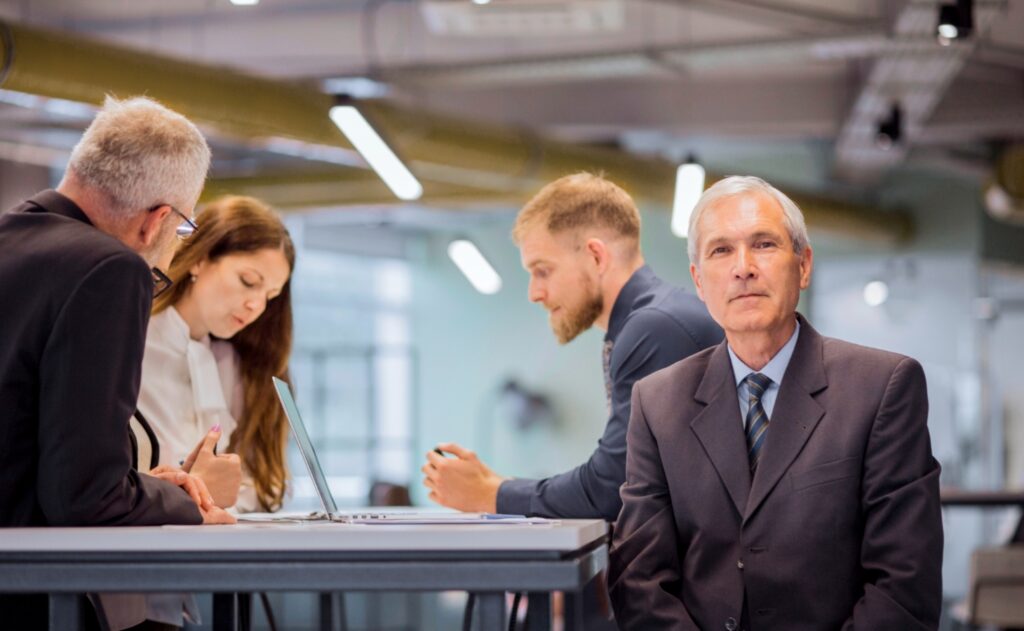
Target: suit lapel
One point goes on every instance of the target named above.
(795, 416)
(719, 429)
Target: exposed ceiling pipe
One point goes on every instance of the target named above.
(455, 159)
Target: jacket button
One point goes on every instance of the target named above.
(730, 624)
(739, 564)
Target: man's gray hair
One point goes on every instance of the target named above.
(736, 185)
(141, 154)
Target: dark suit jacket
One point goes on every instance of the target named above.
(840, 528)
(653, 325)
(74, 305)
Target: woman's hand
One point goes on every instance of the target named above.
(216, 516)
(194, 486)
(222, 474)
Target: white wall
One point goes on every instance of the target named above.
(930, 315)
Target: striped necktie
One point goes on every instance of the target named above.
(757, 419)
(606, 364)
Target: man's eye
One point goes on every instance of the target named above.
(765, 244)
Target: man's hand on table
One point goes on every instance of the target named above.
(463, 482)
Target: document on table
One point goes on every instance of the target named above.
(397, 517)
(443, 518)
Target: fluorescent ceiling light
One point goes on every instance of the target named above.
(471, 262)
(375, 151)
(689, 187)
(244, 3)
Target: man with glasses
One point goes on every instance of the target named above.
(185, 229)
(79, 266)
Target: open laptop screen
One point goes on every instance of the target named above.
(284, 393)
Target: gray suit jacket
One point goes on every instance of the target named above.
(839, 529)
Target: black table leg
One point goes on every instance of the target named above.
(492, 611)
(66, 611)
(225, 612)
(573, 611)
(538, 611)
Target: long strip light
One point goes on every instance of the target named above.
(471, 262)
(689, 187)
(376, 152)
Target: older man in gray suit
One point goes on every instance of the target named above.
(782, 480)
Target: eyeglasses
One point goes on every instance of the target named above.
(161, 282)
(184, 230)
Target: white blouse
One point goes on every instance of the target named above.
(188, 386)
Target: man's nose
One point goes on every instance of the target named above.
(743, 263)
(535, 292)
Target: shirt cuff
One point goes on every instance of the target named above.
(514, 496)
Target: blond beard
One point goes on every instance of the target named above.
(578, 318)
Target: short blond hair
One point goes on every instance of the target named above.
(140, 154)
(581, 200)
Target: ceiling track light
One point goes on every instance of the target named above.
(956, 21)
(474, 266)
(890, 129)
(689, 187)
(381, 158)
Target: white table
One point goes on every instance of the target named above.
(488, 560)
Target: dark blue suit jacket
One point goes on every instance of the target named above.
(653, 325)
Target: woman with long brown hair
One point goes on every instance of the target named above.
(215, 338)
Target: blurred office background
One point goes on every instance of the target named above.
(906, 153)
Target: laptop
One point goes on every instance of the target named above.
(316, 472)
(330, 507)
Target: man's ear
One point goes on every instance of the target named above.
(599, 252)
(149, 231)
(695, 275)
(806, 264)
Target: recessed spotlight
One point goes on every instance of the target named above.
(876, 293)
(956, 21)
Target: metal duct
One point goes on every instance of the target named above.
(455, 159)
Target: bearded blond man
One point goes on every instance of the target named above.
(579, 240)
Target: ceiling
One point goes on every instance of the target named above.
(791, 89)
